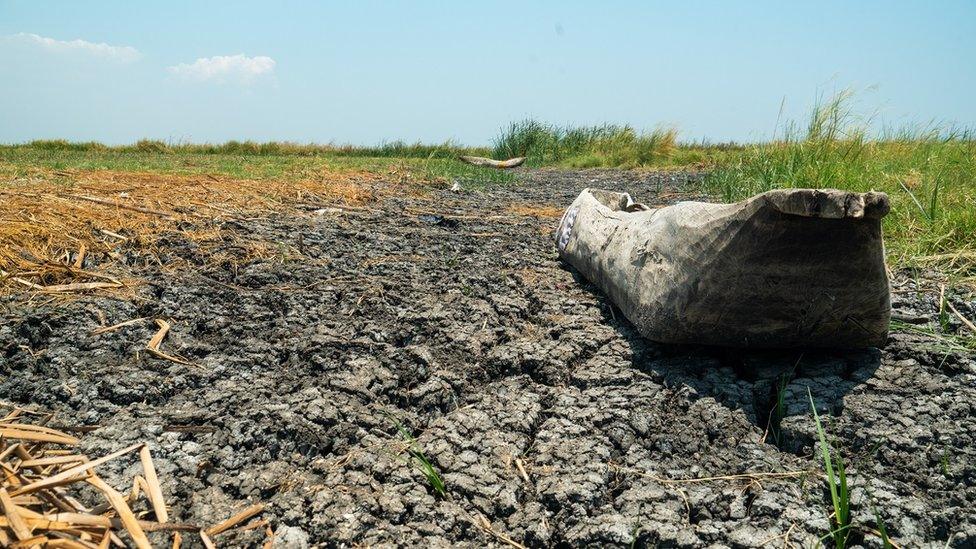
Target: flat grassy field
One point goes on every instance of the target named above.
(20, 161)
(930, 174)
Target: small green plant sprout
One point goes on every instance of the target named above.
(840, 495)
(417, 457)
(778, 412)
(944, 461)
(943, 312)
(882, 530)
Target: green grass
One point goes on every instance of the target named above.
(927, 172)
(882, 528)
(18, 161)
(778, 413)
(392, 149)
(944, 462)
(606, 146)
(941, 341)
(418, 459)
(943, 314)
(840, 494)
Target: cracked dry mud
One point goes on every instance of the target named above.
(548, 418)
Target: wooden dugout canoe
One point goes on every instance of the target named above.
(786, 268)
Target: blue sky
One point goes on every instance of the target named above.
(367, 71)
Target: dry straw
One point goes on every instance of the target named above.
(46, 498)
(62, 233)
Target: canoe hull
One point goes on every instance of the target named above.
(797, 268)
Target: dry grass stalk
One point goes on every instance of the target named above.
(485, 525)
(112, 328)
(41, 496)
(154, 491)
(157, 339)
(74, 287)
(120, 505)
(117, 204)
(80, 256)
(33, 433)
(235, 519)
(14, 520)
(964, 320)
(521, 467)
(100, 217)
(207, 542)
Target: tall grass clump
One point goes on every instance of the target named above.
(928, 172)
(151, 146)
(606, 145)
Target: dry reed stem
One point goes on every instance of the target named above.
(37, 508)
(12, 512)
(966, 321)
(236, 519)
(157, 339)
(207, 542)
(154, 491)
(128, 518)
(112, 328)
(486, 526)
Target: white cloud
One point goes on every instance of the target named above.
(222, 68)
(124, 54)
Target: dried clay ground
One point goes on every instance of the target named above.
(302, 341)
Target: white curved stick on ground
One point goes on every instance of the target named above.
(501, 164)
